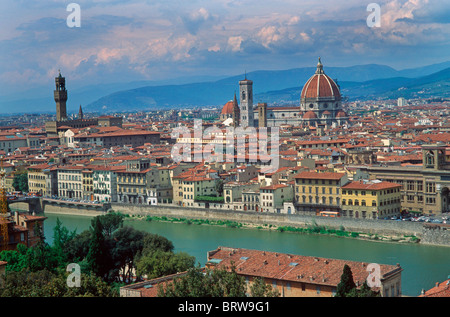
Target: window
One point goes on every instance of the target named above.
(430, 187)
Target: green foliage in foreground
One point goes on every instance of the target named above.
(108, 255)
(214, 283)
(47, 284)
(347, 286)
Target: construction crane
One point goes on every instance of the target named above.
(3, 210)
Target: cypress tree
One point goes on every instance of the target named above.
(97, 255)
(346, 284)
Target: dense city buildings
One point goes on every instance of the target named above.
(365, 160)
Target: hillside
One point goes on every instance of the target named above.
(271, 86)
(435, 85)
(219, 92)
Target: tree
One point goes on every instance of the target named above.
(154, 242)
(363, 291)
(347, 287)
(126, 243)
(20, 182)
(110, 223)
(346, 284)
(98, 258)
(219, 187)
(77, 248)
(205, 283)
(260, 289)
(47, 284)
(61, 237)
(161, 263)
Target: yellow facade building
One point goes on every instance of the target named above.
(37, 179)
(315, 192)
(371, 200)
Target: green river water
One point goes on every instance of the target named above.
(423, 265)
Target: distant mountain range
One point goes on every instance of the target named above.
(434, 85)
(359, 82)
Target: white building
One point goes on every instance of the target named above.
(70, 184)
(401, 102)
(105, 184)
(273, 197)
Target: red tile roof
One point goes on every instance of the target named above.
(440, 290)
(317, 175)
(289, 267)
(371, 186)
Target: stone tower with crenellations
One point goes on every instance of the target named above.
(60, 95)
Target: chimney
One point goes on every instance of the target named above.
(16, 216)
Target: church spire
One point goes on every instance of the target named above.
(236, 114)
(80, 113)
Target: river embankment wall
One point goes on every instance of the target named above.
(428, 235)
(380, 227)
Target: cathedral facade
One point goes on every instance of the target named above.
(320, 105)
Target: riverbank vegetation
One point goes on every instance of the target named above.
(311, 228)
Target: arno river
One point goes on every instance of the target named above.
(422, 265)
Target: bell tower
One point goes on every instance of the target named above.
(246, 99)
(60, 94)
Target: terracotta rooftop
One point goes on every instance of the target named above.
(289, 267)
(317, 175)
(440, 290)
(371, 186)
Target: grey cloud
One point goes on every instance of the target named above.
(197, 19)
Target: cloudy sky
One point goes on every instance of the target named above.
(127, 40)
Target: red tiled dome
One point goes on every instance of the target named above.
(310, 115)
(320, 86)
(326, 112)
(228, 108)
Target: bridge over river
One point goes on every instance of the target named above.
(40, 204)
